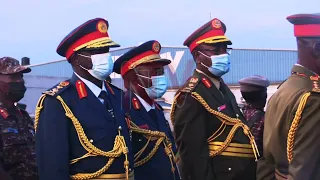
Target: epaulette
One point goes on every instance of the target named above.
(190, 85)
(58, 89)
(315, 85)
(316, 90)
(281, 83)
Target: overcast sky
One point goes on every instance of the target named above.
(34, 28)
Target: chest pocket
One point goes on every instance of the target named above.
(14, 141)
(11, 134)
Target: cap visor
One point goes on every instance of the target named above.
(103, 43)
(162, 61)
(14, 70)
(221, 41)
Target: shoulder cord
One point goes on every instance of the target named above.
(294, 125)
(226, 120)
(119, 147)
(160, 138)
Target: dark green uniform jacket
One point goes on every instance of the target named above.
(212, 139)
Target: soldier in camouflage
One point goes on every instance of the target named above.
(254, 92)
(17, 144)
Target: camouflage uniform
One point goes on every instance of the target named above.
(255, 121)
(17, 142)
(254, 92)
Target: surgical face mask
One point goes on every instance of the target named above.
(158, 88)
(102, 65)
(220, 64)
(14, 90)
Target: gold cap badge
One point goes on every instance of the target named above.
(102, 27)
(216, 24)
(156, 47)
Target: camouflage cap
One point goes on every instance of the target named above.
(9, 65)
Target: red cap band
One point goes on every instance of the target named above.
(127, 65)
(87, 38)
(307, 30)
(211, 33)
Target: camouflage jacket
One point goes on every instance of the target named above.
(255, 121)
(17, 144)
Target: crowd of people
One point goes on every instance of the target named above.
(87, 128)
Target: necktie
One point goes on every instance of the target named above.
(153, 115)
(106, 102)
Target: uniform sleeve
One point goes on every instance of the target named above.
(52, 148)
(306, 156)
(189, 128)
(265, 170)
(3, 174)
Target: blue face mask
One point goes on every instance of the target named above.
(102, 65)
(220, 64)
(158, 88)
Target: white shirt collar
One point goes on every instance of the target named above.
(145, 104)
(94, 89)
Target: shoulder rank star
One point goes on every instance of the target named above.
(314, 78)
(192, 82)
(53, 91)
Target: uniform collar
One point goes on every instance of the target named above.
(298, 68)
(93, 88)
(146, 105)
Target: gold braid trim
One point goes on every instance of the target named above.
(38, 110)
(294, 125)
(173, 107)
(119, 147)
(160, 138)
(148, 59)
(226, 120)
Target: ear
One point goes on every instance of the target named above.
(316, 49)
(74, 60)
(195, 54)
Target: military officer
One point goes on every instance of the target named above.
(212, 139)
(254, 92)
(291, 133)
(142, 69)
(17, 143)
(81, 131)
